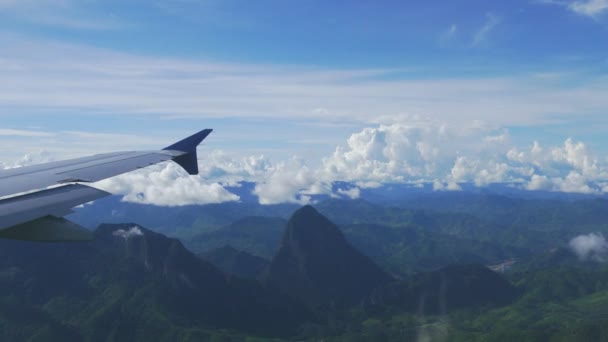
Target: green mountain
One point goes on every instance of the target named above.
(180, 221)
(411, 249)
(452, 287)
(256, 235)
(235, 262)
(316, 264)
(133, 284)
(130, 284)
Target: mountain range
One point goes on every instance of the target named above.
(341, 270)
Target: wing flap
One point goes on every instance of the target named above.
(51, 202)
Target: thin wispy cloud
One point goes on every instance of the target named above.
(452, 30)
(481, 36)
(90, 80)
(24, 133)
(71, 14)
(590, 8)
(447, 36)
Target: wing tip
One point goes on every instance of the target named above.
(189, 160)
(190, 143)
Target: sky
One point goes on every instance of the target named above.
(301, 94)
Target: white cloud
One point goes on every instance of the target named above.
(446, 155)
(413, 151)
(446, 186)
(29, 159)
(352, 193)
(24, 133)
(491, 22)
(590, 247)
(127, 234)
(290, 181)
(540, 182)
(452, 30)
(99, 80)
(224, 167)
(447, 36)
(421, 150)
(589, 7)
(166, 184)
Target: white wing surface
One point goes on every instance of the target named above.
(37, 214)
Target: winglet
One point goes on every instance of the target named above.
(189, 160)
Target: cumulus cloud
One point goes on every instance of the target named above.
(540, 182)
(29, 159)
(290, 181)
(411, 150)
(590, 247)
(447, 155)
(418, 151)
(446, 186)
(129, 233)
(168, 185)
(227, 168)
(352, 193)
(388, 153)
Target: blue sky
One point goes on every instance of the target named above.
(301, 83)
(523, 34)
(452, 37)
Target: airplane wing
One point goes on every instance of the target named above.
(38, 196)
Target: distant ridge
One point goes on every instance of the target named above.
(451, 287)
(235, 262)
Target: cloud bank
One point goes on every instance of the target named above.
(387, 147)
(412, 151)
(415, 152)
(166, 185)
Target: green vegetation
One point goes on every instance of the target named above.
(317, 280)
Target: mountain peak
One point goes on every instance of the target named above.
(316, 263)
(307, 211)
(307, 225)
